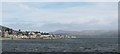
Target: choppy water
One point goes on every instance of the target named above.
(61, 45)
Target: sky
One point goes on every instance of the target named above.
(52, 16)
(59, 0)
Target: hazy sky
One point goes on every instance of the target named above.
(60, 0)
(51, 16)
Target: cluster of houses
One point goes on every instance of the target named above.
(10, 33)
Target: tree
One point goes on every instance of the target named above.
(26, 33)
(10, 31)
(19, 30)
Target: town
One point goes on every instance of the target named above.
(13, 34)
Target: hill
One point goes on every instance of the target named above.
(89, 33)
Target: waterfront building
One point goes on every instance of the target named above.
(10, 33)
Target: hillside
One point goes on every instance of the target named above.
(3, 27)
(89, 33)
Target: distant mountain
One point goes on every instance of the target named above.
(89, 33)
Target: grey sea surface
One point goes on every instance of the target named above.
(61, 45)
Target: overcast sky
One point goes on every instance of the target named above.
(51, 16)
(59, 0)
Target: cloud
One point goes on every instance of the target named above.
(103, 13)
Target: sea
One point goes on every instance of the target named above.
(61, 45)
